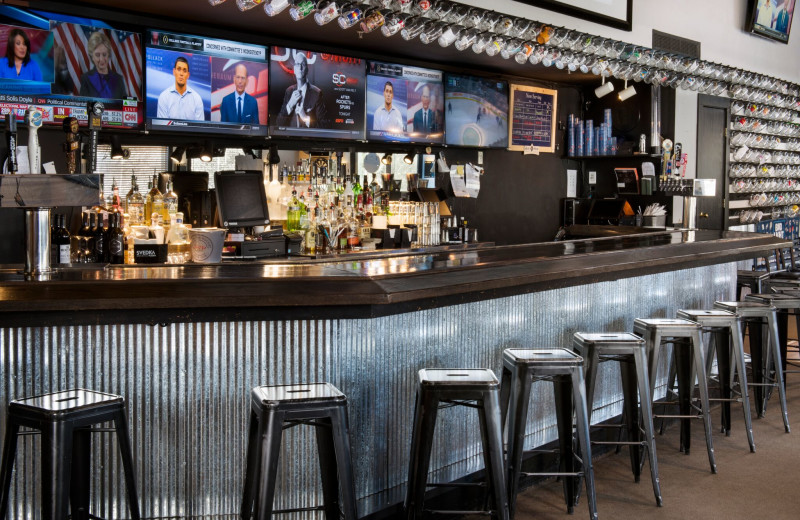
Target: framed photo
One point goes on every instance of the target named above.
(532, 118)
(614, 13)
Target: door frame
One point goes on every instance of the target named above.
(703, 101)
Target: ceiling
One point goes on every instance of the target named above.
(199, 17)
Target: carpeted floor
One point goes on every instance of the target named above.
(760, 485)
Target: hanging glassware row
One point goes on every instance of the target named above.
(528, 41)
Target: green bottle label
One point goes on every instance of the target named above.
(304, 8)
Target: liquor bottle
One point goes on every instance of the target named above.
(60, 242)
(135, 205)
(310, 239)
(170, 203)
(128, 195)
(178, 245)
(116, 202)
(157, 198)
(148, 202)
(88, 234)
(99, 234)
(293, 213)
(116, 240)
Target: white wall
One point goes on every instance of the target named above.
(717, 24)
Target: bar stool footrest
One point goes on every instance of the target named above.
(299, 510)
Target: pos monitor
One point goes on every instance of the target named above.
(241, 198)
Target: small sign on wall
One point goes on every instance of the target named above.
(532, 124)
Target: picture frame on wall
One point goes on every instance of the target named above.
(532, 119)
(614, 13)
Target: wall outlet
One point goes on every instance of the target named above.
(592, 177)
(480, 156)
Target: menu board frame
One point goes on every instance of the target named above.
(550, 97)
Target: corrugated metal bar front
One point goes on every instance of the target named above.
(187, 386)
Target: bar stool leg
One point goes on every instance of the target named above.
(327, 465)
(9, 450)
(271, 439)
(685, 387)
(776, 354)
(56, 470)
(79, 484)
(520, 388)
(647, 418)
(757, 362)
(581, 414)
(697, 348)
(562, 386)
(724, 370)
(425, 412)
(492, 433)
(738, 346)
(253, 466)
(124, 442)
(341, 444)
(630, 404)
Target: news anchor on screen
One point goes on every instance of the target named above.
(239, 106)
(387, 117)
(180, 101)
(101, 81)
(303, 104)
(425, 117)
(18, 63)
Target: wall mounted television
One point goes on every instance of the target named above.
(404, 104)
(770, 18)
(203, 85)
(477, 111)
(59, 63)
(314, 94)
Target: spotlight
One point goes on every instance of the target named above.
(117, 151)
(604, 88)
(387, 158)
(207, 153)
(627, 92)
(409, 158)
(177, 154)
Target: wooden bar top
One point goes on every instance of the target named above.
(358, 287)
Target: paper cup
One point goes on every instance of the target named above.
(207, 244)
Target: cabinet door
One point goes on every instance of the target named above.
(713, 114)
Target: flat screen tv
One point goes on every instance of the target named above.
(59, 63)
(315, 94)
(404, 104)
(477, 111)
(771, 18)
(203, 85)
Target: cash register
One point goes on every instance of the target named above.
(242, 207)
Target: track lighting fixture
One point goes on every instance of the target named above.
(387, 158)
(604, 88)
(409, 158)
(117, 151)
(627, 92)
(177, 154)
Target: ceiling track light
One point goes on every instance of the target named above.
(604, 88)
(387, 158)
(177, 154)
(207, 153)
(627, 92)
(409, 158)
(117, 151)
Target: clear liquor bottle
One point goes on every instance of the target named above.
(135, 205)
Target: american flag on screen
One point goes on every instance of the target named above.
(126, 54)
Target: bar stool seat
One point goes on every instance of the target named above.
(456, 387)
(753, 280)
(755, 313)
(628, 349)
(682, 334)
(726, 337)
(65, 420)
(276, 408)
(521, 367)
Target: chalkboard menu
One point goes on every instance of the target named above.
(533, 118)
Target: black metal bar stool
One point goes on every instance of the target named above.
(65, 421)
(786, 303)
(754, 314)
(276, 408)
(752, 280)
(683, 334)
(476, 388)
(630, 351)
(726, 337)
(521, 367)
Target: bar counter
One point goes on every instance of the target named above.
(186, 344)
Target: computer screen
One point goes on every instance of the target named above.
(205, 85)
(404, 104)
(59, 63)
(241, 198)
